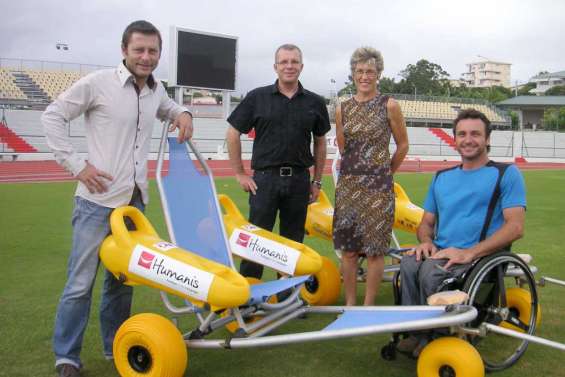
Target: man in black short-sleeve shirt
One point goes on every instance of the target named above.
(285, 117)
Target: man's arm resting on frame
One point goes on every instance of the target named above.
(234, 151)
(425, 234)
(511, 230)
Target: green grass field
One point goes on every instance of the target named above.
(35, 243)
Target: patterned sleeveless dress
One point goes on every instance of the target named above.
(364, 198)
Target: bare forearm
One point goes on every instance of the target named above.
(425, 233)
(319, 157)
(234, 151)
(508, 233)
(398, 157)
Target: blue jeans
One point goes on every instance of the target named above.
(91, 225)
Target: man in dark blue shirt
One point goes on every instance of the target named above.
(285, 117)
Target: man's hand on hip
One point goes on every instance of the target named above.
(247, 183)
(184, 123)
(94, 179)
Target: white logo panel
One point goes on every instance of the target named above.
(264, 251)
(162, 269)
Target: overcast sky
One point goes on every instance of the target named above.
(529, 34)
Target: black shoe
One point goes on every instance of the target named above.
(67, 370)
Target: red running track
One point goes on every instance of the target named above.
(50, 171)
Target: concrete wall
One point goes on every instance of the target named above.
(209, 134)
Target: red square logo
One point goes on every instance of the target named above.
(145, 259)
(243, 239)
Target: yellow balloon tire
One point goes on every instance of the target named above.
(149, 345)
(327, 287)
(520, 300)
(452, 352)
(233, 326)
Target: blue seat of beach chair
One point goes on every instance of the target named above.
(192, 216)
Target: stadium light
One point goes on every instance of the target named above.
(62, 46)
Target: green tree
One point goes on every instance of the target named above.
(514, 119)
(424, 77)
(349, 87)
(525, 90)
(491, 94)
(387, 85)
(497, 93)
(551, 119)
(558, 90)
(554, 119)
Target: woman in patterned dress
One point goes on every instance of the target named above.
(364, 203)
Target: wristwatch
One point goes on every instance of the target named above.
(317, 184)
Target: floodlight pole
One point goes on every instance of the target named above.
(521, 124)
(226, 104)
(179, 95)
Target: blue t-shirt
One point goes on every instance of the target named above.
(460, 198)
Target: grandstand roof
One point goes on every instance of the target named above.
(533, 101)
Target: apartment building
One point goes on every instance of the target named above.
(487, 73)
(546, 81)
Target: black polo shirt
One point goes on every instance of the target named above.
(283, 126)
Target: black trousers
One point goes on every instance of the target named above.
(286, 196)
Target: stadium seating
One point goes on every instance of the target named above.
(8, 89)
(443, 111)
(53, 82)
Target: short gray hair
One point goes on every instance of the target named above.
(289, 47)
(367, 55)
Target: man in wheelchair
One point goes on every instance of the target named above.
(471, 210)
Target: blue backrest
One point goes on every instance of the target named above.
(193, 207)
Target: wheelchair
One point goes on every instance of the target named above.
(502, 288)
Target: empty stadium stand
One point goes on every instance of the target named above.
(8, 87)
(53, 82)
(209, 134)
(39, 85)
(443, 112)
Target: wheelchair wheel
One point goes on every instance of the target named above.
(449, 356)
(499, 303)
(150, 345)
(233, 326)
(323, 288)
